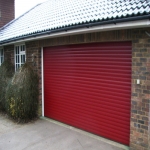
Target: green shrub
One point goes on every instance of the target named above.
(22, 94)
(6, 73)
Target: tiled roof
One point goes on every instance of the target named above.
(56, 14)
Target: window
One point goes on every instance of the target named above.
(1, 56)
(20, 56)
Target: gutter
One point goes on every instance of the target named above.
(115, 24)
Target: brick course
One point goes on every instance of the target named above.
(140, 97)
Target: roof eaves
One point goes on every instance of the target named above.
(77, 26)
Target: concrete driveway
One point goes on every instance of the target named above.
(45, 134)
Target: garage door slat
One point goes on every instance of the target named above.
(89, 86)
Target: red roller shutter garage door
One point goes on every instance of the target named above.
(88, 86)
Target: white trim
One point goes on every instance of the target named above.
(108, 27)
(19, 55)
(42, 74)
(147, 33)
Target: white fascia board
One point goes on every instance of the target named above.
(99, 28)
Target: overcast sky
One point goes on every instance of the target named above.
(21, 6)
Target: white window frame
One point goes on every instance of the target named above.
(20, 55)
(1, 55)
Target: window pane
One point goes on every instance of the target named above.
(1, 56)
(2, 59)
(23, 58)
(18, 60)
(16, 50)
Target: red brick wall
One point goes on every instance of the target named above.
(9, 53)
(34, 52)
(6, 11)
(140, 98)
(140, 92)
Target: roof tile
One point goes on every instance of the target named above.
(55, 14)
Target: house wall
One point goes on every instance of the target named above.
(140, 97)
(9, 53)
(6, 11)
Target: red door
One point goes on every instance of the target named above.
(88, 86)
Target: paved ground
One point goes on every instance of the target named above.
(45, 135)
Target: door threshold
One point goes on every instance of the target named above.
(87, 133)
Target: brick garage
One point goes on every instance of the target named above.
(119, 29)
(140, 98)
